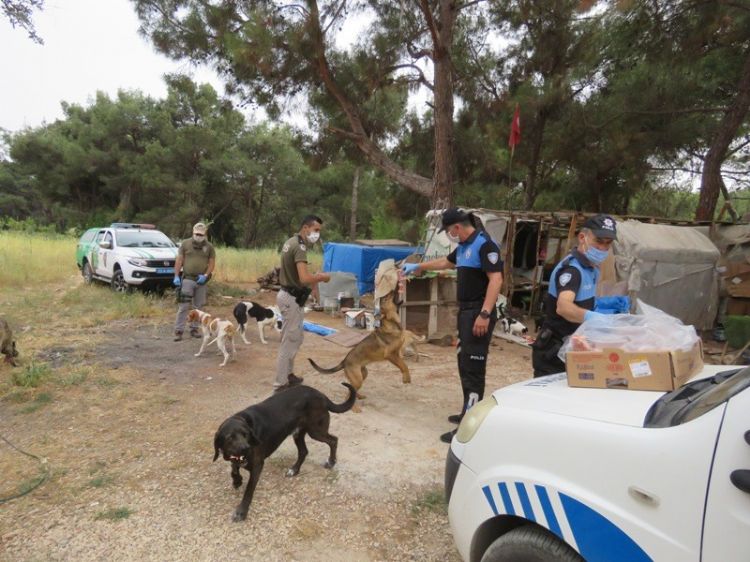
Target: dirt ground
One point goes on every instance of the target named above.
(129, 455)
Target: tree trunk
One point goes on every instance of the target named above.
(443, 102)
(536, 149)
(711, 180)
(356, 133)
(355, 202)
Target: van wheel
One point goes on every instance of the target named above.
(118, 283)
(530, 543)
(87, 272)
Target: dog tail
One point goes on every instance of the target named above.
(345, 406)
(324, 370)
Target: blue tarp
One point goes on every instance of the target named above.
(362, 261)
(317, 328)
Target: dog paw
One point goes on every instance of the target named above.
(239, 515)
(292, 472)
(406, 381)
(236, 483)
(329, 464)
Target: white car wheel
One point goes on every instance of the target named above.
(530, 543)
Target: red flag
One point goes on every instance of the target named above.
(515, 129)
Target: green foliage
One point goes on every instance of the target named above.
(31, 375)
(114, 514)
(737, 329)
(40, 400)
(384, 225)
(430, 500)
(617, 99)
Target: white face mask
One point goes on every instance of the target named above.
(199, 237)
(313, 237)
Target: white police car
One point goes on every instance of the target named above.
(126, 255)
(542, 471)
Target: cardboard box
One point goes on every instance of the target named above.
(354, 318)
(736, 277)
(636, 370)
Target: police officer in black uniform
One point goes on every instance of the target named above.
(572, 293)
(479, 267)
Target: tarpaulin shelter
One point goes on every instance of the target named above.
(670, 267)
(361, 260)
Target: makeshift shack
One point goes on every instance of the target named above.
(733, 241)
(362, 259)
(532, 243)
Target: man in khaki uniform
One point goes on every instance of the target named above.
(196, 259)
(296, 285)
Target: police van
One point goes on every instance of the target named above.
(127, 255)
(540, 471)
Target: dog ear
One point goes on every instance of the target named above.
(218, 444)
(252, 438)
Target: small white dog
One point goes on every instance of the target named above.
(510, 325)
(513, 326)
(222, 332)
(265, 317)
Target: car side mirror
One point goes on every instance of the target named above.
(105, 244)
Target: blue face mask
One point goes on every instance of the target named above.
(596, 256)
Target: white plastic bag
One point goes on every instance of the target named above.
(650, 329)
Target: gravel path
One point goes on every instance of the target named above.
(130, 449)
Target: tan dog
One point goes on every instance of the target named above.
(222, 332)
(386, 343)
(7, 344)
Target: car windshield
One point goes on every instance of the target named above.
(696, 398)
(143, 239)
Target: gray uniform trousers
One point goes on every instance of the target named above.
(292, 335)
(192, 295)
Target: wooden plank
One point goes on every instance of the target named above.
(510, 239)
(432, 319)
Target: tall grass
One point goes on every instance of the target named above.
(245, 266)
(32, 259)
(35, 259)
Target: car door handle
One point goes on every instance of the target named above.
(741, 479)
(747, 437)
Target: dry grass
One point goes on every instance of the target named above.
(245, 266)
(30, 260)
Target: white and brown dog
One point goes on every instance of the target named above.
(265, 317)
(222, 332)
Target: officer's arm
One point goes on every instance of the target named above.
(435, 265)
(178, 264)
(568, 309)
(307, 278)
(493, 289)
(211, 265)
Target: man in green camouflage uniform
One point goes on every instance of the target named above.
(196, 259)
(296, 284)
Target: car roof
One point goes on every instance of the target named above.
(552, 395)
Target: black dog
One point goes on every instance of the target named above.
(252, 435)
(263, 315)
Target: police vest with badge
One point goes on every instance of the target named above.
(578, 273)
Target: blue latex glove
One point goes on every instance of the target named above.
(201, 279)
(177, 282)
(409, 268)
(613, 305)
(591, 315)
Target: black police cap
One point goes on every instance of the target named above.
(602, 226)
(453, 216)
